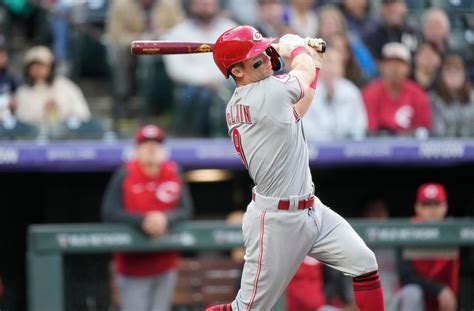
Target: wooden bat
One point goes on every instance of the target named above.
(174, 47)
(169, 47)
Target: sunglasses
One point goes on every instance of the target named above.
(259, 63)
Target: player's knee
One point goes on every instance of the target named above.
(366, 260)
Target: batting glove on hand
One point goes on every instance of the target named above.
(317, 48)
(288, 43)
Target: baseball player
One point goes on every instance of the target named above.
(285, 221)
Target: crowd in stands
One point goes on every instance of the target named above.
(385, 74)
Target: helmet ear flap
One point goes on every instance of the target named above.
(276, 60)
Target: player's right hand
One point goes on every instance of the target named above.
(288, 43)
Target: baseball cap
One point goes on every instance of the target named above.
(149, 132)
(396, 50)
(431, 192)
(40, 54)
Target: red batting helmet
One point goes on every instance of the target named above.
(241, 43)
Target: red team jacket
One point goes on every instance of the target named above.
(142, 194)
(444, 270)
(407, 112)
(305, 292)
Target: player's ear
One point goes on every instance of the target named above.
(237, 71)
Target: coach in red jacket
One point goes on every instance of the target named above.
(430, 276)
(147, 192)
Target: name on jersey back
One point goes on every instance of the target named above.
(238, 113)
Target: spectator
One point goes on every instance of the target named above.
(133, 20)
(338, 112)
(429, 276)
(300, 17)
(46, 100)
(393, 103)
(357, 15)
(358, 61)
(436, 28)
(271, 21)
(244, 12)
(149, 193)
(198, 80)
(8, 85)
(426, 66)
(452, 100)
(60, 31)
(392, 27)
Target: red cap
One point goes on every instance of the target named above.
(149, 132)
(431, 192)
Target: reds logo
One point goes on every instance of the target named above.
(256, 36)
(431, 192)
(168, 191)
(150, 131)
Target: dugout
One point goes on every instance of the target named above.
(45, 184)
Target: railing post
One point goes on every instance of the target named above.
(45, 281)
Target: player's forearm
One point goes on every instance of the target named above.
(302, 66)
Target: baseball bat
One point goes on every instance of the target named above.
(169, 47)
(141, 47)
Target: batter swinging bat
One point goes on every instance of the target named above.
(172, 47)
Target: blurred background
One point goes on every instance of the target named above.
(383, 122)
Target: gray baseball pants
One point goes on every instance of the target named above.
(276, 242)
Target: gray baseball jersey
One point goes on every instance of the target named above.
(267, 133)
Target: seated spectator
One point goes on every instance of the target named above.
(127, 21)
(394, 104)
(198, 81)
(244, 12)
(271, 22)
(301, 18)
(429, 276)
(60, 10)
(358, 61)
(358, 17)
(427, 65)
(148, 193)
(46, 100)
(392, 27)
(435, 28)
(452, 100)
(338, 111)
(8, 85)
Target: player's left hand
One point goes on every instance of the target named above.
(155, 224)
(288, 43)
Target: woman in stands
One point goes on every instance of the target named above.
(452, 100)
(46, 100)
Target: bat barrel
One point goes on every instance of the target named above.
(169, 47)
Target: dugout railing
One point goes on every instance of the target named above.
(47, 244)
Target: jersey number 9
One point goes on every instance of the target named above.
(238, 146)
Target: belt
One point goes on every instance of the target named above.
(285, 204)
